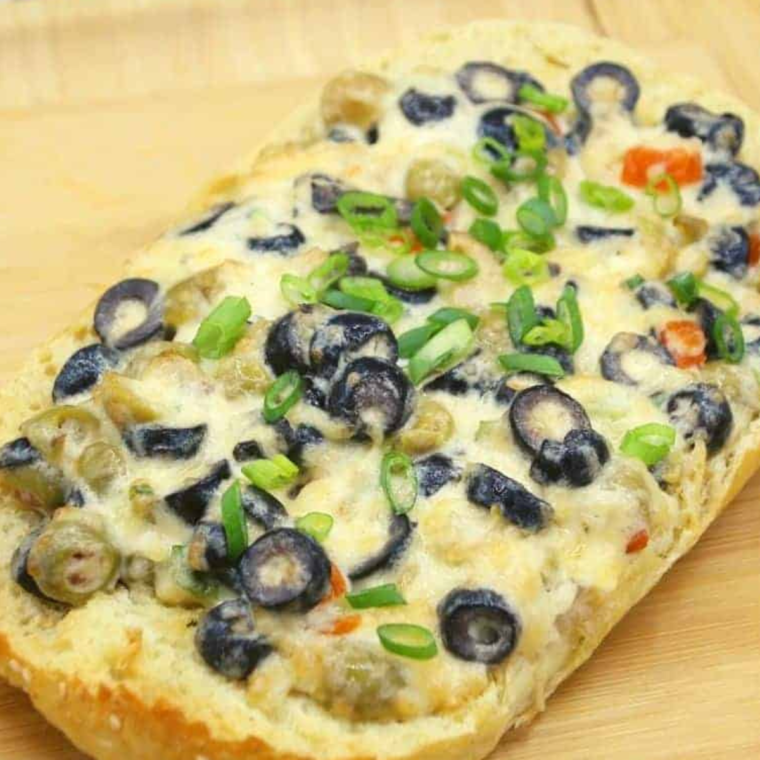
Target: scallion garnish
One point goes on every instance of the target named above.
(234, 522)
(633, 282)
(523, 267)
(408, 640)
(315, 524)
(520, 239)
(223, 328)
(667, 200)
(448, 265)
(282, 395)
(487, 232)
(684, 288)
(521, 166)
(548, 331)
(392, 240)
(721, 298)
(410, 342)
(605, 197)
(650, 443)
(487, 150)
(271, 473)
(329, 272)
(452, 344)
(448, 314)
(569, 312)
(391, 309)
(426, 223)
(404, 272)
(687, 288)
(398, 479)
(367, 211)
(544, 100)
(530, 134)
(296, 290)
(536, 217)
(551, 191)
(729, 338)
(366, 294)
(521, 314)
(386, 595)
(480, 195)
(339, 300)
(364, 287)
(536, 363)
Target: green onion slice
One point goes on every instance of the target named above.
(271, 473)
(521, 314)
(339, 300)
(687, 288)
(449, 314)
(391, 309)
(549, 331)
(282, 395)
(452, 344)
(426, 223)
(484, 149)
(329, 272)
(667, 202)
(223, 328)
(480, 195)
(386, 595)
(398, 479)
(234, 522)
(296, 290)
(521, 166)
(729, 338)
(540, 365)
(448, 265)
(522, 267)
(569, 312)
(408, 640)
(544, 100)
(536, 217)
(404, 272)
(605, 197)
(633, 282)
(721, 298)
(684, 288)
(367, 211)
(410, 342)
(487, 232)
(650, 443)
(551, 191)
(530, 133)
(520, 239)
(368, 288)
(315, 524)
(391, 240)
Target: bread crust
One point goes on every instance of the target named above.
(111, 715)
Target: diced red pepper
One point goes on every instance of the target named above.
(754, 249)
(637, 541)
(685, 342)
(338, 585)
(642, 163)
(552, 119)
(344, 625)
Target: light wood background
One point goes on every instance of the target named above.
(112, 112)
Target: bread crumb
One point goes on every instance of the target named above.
(115, 722)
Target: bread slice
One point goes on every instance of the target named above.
(120, 675)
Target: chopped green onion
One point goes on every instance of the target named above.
(549, 331)
(544, 100)
(391, 309)
(315, 524)
(339, 300)
(513, 169)
(271, 473)
(296, 290)
(537, 363)
(721, 298)
(448, 265)
(413, 340)
(282, 395)
(484, 149)
(447, 347)
(633, 282)
(364, 287)
(729, 338)
(426, 223)
(480, 195)
(551, 191)
(223, 328)
(398, 479)
(570, 313)
(687, 288)
(650, 443)
(605, 197)
(404, 272)
(234, 522)
(667, 202)
(408, 640)
(536, 217)
(521, 314)
(487, 232)
(530, 133)
(386, 595)
(392, 240)
(520, 239)
(684, 288)
(367, 211)
(523, 267)
(448, 314)
(329, 272)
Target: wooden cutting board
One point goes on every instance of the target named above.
(112, 112)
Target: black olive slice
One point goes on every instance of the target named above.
(190, 503)
(347, 336)
(651, 294)
(207, 550)
(484, 82)
(707, 314)
(247, 450)
(133, 290)
(263, 508)
(497, 124)
(83, 369)
(285, 569)
(326, 192)
(297, 439)
(722, 132)
(227, 640)
(287, 345)
(372, 393)
(287, 241)
(729, 248)
(478, 625)
(159, 441)
(209, 220)
(434, 472)
(743, 180)
(20, 568)
(422, 108)
(576, 138)
(576, 461)
(613, 361)
(425, 295)
(605, 82)
(489, 488)
(18, 453)
(587, 233)
(542, 413)
(399, 536)
(701, 411)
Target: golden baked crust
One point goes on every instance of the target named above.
(120, 683)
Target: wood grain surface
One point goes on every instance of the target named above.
(112, 112)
